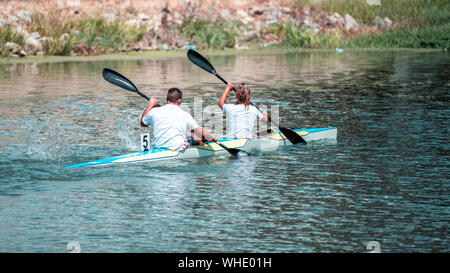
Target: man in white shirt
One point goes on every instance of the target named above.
(170, 124)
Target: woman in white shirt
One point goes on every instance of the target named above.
(241, 115)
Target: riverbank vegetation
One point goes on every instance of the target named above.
(72, 30)
(417, 23)
(293, 36)
(209, 34)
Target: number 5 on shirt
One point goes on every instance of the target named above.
(145, 141)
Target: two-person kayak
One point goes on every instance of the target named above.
(266, 142)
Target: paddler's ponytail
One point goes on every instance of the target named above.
(243, 94)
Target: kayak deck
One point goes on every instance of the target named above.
(269, 142)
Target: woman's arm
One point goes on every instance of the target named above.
(224, 95)
(152, 103)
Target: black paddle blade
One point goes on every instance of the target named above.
(200, 61)
(292, 136)
(231, 151)
(119, 80)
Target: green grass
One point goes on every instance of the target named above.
(420, 23)
(52, 27)
(426, 37)
(396, 10)
(210, 34)
(302, 3)
(58, 47)
(8, 34)
(94, 32)
(49, 25)
(301, 37)
(114, 36)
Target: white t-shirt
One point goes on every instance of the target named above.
(241, 119)
(170, 124)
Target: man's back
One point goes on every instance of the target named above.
(170, 124)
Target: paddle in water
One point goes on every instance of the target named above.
(203, 63)
(118, 79)
(232, 151)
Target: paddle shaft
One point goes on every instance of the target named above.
(143, 95)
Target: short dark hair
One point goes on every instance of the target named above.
(174, 94)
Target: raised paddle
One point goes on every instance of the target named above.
(203, 63)
(121, 81)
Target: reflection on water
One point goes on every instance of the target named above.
(385, 180)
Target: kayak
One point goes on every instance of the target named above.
(267, 141)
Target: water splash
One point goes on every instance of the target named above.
(46, 140)
(128, 132)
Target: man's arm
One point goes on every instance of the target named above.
(225, 94)
(202, 134)
(152, 103)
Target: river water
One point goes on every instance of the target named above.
(385, 179)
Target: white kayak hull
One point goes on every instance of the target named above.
(264, 143)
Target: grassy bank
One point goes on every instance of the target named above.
(412, 11)
(9, 34)
(416, 24)
(294, 36)
(209, 34)
(426, 37)
(83, 36)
